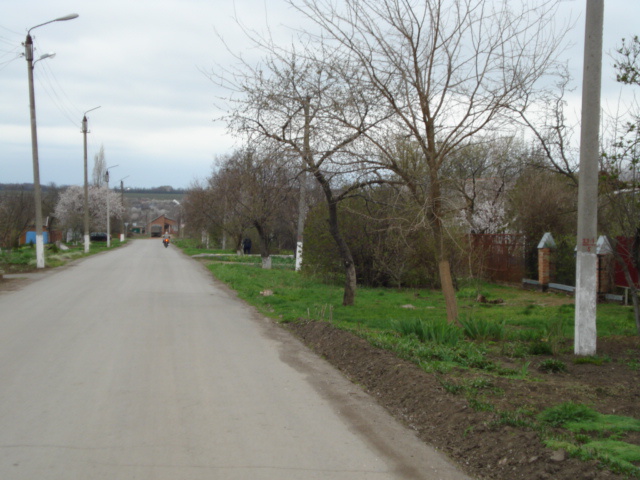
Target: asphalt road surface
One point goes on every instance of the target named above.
(136, 364)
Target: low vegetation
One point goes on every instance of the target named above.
(24, 258)
(529, 329)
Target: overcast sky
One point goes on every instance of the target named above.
(142, 61)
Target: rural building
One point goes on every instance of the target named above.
(167, 225)
(28, 235)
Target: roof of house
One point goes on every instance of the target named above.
(162, 216)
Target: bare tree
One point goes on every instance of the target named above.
(554, 148)
(481, 176)
(260, 190)
(449, 70)
(16, 214)
(315, 107)
(208, 209)
(99, 167)
(619, 185)
(620, 207)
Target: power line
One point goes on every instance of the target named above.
(51, 85)
(4, 64)
(11, 31)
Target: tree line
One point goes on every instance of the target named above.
(403, 126)
(391, 93)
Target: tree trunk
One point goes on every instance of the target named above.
(448, 291)
(239, 244)
(444, 267)
(350, 283)
(265, 254)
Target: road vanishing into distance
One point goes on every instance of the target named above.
(137, 364)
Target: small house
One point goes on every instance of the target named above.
(161, 225)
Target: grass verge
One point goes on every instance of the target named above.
(412, 324)
(23, 259)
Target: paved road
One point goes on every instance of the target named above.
(135, 364)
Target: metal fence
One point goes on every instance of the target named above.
(500, 257)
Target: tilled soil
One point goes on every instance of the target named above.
(483, 448)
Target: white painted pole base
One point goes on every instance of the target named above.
(122, 237)
(298, 256)
(586, 300)
(87, 243)
(39, 251)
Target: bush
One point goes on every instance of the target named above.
(385, 255)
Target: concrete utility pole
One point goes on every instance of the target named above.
(122, 232)
(302, 215)
(37, 195)
(587, 260)
(106, 179)
(87, 241)
(302, 201)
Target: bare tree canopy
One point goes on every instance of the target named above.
(450, 71)
(315, 106)
(99, 167)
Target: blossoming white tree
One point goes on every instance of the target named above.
(70, 207)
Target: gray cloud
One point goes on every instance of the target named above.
(142, 61)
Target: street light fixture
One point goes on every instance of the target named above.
(106, 178)
(37, 194)
(87, 240)
(46, 55)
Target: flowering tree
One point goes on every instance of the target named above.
(70, 207)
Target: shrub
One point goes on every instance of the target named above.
(384, 254)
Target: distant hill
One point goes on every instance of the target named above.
(164, 192)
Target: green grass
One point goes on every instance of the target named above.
(24, 258)
(412, 322)
(593, 435)
(551, 365)
(191, 247)
(567, 412)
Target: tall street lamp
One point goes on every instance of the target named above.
(87, 242)
(37, 195)
(106, 178)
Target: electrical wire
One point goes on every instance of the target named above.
(11, 48)
(50, 84)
